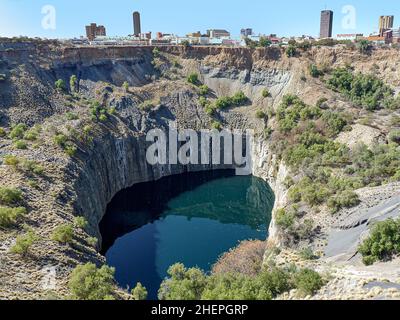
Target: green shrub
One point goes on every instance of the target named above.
(394, 136)
(343, 199)
(237, 100)
(364, 90)
(307, 254)
(364, 46)
(265, 93)
(29, 166)
(315, 72)
(80, 222)
(112, 111)
(63, 233)
(204, 90)
(223, 103)
(92, 241)
(261, 114)
(103, 118)
(292, 110)
(30, 136)
(216, 125)
(125, 86)
(383, 242)
(10, 216)
(392, 103)
(10, 196)
(265, 286)
(11, 160)
(156, 52)
(193, 78)
(73, 82)
(20, 144)
(265, 42)
(284, 219)
(87, 282)
(71, 116)
(23, 165)
(291, 51)
(320, 102)
(60, 85)
(148, 105)
(18, 131)
(60, 139)
(308, 282)
(2, 132)
(183, 284)
(193, 284)
(334, 121)
(139, 292)
(23, 243)
(70, 150)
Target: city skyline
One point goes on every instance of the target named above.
(24, 18)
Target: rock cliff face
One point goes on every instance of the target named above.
(115, 156)
(111, 154)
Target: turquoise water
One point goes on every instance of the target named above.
(190, 218)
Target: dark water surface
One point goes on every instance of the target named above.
(191, 218)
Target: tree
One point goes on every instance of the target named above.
(182, 284)
(139, 292)
(87, 282)
(314, 71)
(251, 43)
(265, 42)
(291, 51)
(383, 242)
(364, 46)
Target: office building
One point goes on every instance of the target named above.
(93, 31)
(326, 24)
(137, 30)
(385, 23)
(246, 32)
(218, 33)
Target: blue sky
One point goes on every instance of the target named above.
(284, 17)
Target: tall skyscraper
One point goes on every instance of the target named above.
(136, 24)
(326, 24)
(385, 23)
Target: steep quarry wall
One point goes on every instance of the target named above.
(116, 163)
(85, 183)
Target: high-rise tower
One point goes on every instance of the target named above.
(136, 24)
(326, 24)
